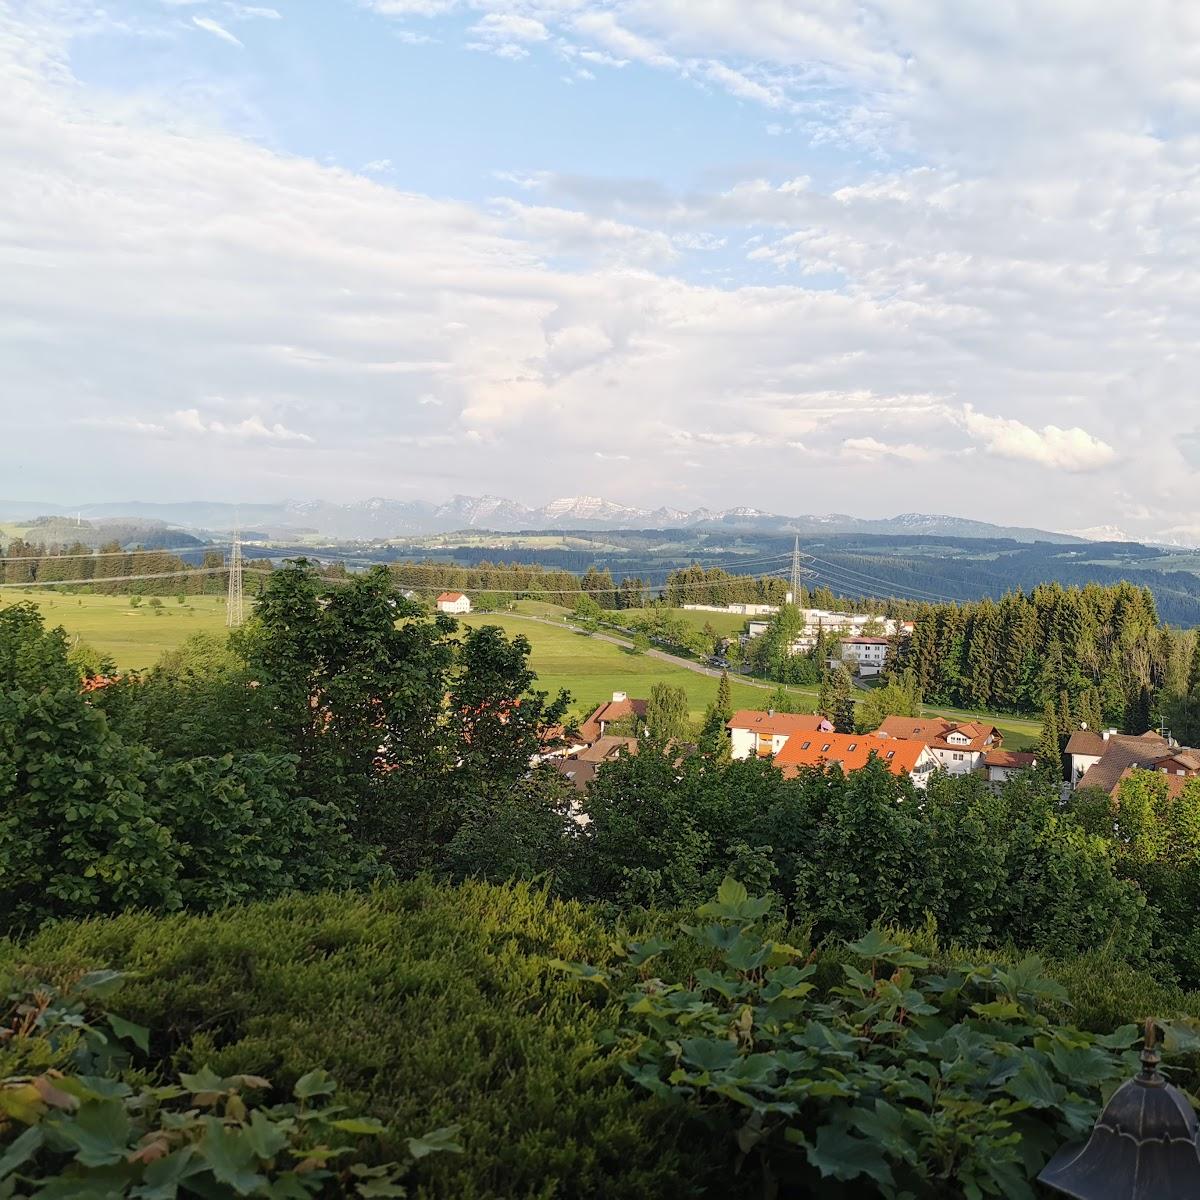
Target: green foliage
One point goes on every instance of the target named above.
(845, 851)
(73, 1124)
(91, 823)
(1102, 646)
(837, 697)
(896, 1079)
(667, 713)
(900, 696)
(432, 1006)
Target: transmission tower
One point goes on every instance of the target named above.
(797, 572)
(234, 614)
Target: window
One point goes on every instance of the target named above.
(891, 754)
(824, 747)
(852, 746)
(806, 745)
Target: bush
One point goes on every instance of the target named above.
(898, 1079)
(431, 1007)
(72, 1124)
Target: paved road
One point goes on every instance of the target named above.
(689, 664)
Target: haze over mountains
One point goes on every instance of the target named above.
(383, 518)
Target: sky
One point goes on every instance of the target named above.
(859, 256)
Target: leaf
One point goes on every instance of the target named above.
(163, 1176)
(731, 893)
(642, 952)
(437, 1141)
(229, 1157)
(999, 1010)
(204, 1083)
(709, 1054)
(839, 1154)
(99, 1131)
(22, 1101)
(263, 1136)
(360, 1125)
(1033, 1086)
(873, 945)
(21, 1151)
(315, 1083)
(139, 1035)
(101, 984)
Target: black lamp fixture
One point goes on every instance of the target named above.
(1143, 1147)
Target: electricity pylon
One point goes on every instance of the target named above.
(234, 612)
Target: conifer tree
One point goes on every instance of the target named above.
(837, 698)
(1049, 746)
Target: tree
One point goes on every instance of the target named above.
(836, 698)
(587, 612)
(640, 643)
(713, 736)
(783, 701)
(899, 697)
(667, 714)
(1049, 745)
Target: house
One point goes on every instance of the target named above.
(1002, 765)
(757, 734)
(580, 768)
(959, 746)
(1087, 749)
(834, 624)
(453, 602)
(866, 653)
(852, 752)
(1103, 760)
(616, 709)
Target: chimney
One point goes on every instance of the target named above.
(770, 712)
(619, 696)
(1108, 733)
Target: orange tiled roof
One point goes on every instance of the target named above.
(771, 723)
(851, 751)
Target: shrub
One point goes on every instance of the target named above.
(898, 1080)
(431, 1006)
(72, 1125)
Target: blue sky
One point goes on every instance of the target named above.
(856, 255)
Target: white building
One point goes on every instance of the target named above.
(866, 653)
(834, 624)
(757, 734)
(453, 602)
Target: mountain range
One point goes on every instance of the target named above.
(382, 518)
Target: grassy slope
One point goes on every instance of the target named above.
(589, 669)
(135, 637)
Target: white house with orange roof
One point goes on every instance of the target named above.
(453, 602)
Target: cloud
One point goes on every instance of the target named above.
(378, 166)
(189, 420)
(211, 26)
(122, 425)
(1071, 449)
(252, 12)
(871, 449)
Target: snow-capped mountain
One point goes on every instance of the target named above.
(379, 517)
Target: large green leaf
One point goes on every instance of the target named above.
(839, 1154)
(98, 1130)
(437, 1141)
(21, 1150)
(230, 1157)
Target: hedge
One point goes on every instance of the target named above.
(435, 1005)
(431, 1007)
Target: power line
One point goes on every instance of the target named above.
(106, 579)
(850, 572)
(6, 558)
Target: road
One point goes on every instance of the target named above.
(689, 664)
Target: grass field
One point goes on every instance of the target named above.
(134, 637)
(726, 624)
(591, 670)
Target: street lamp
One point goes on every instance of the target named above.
(1143, 1147)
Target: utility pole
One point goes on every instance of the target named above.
(798, 572)
(234, 613)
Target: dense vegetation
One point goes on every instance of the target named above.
(348, 740)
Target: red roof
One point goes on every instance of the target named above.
(935, 730)
(450, 597)
(1013, 759)
(772, 723)
(850, 751)
(610, 710)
